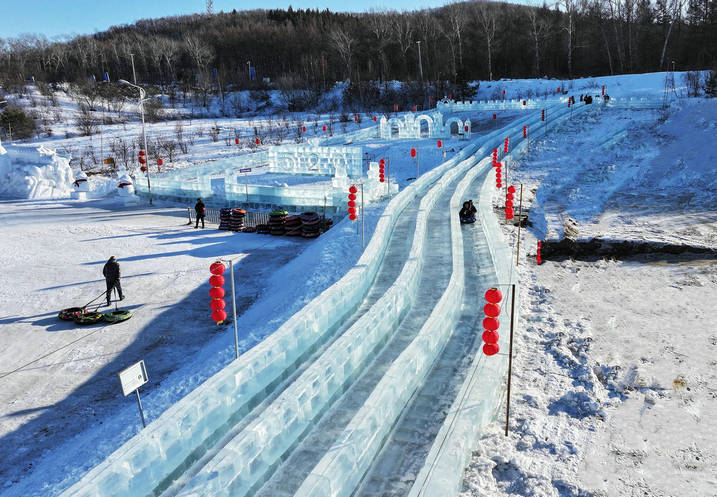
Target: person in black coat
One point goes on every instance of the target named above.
(466, 214)
(199, 208)
(111, 271)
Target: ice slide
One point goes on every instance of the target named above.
(319, 375)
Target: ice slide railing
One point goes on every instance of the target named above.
(247, 461)
(339, 472)
(182, 433)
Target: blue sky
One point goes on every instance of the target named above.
(67, 17)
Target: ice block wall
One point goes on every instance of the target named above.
(316, 160)
(180, 435)
(340, 471)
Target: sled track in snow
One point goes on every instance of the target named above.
(355, 404)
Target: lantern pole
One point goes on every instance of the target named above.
(510, 358)
(362, 218)
(520, 211)
(388, 177)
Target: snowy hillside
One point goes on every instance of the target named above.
(613, 368)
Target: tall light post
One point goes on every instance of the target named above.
(420, 64)
(144, 134)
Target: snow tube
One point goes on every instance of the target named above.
(117, 316)
(468, 220)
(71, 313)
(89, 318)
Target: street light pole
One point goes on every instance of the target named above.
(420, 64)
(144, 134)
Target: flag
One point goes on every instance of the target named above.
(252, 74)
(214, 73)
(32, 80)
(92, 78)
(106, 77)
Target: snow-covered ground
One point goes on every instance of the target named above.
(614, 384)
(613, 371)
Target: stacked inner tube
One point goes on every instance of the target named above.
(293, 226)
(276, 222)
(236, 221)
(225, 215)
(310, 225)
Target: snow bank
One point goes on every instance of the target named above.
(34, 174)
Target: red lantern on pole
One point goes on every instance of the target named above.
(160, 162)
(603, 90)
(413, 152)
(505, 146)
(414, 108)
(465, 128)
(395, 107)
(495, 116)
(511, 189)
(257, 141)
(493, 295)
(503, 92)
(323, 128)
(538, 258)
(439, 143)
(558, 89)
(374, 118)
(509, 196)
(490, 322)
(355, 118)
(352, 203)
(490, 336)
(142, 153)
(142, 160)
(491, 310)
(303, 129)
(217, 304)
(525, 132)
(381, 170)
(525, 102)
(236, 141)
(542, 115)
(143, 169)
(491, 349)
(568, 103)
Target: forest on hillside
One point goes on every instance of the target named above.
(459, 42)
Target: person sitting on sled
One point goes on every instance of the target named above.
(467, 215)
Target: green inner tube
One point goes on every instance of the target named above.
(70, 313)
(89, 318)
(117, 316)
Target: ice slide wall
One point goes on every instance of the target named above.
(180, 435)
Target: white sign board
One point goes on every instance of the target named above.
(133, 377)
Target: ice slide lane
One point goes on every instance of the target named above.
(244, 464)
(434, 278)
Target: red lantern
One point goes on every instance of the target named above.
(498, 174)
(414, 108)
(353, 189)
(524, 103)
(539, 259)
(303, 129)
(395, 108)
(525, 132)
(160, 162)
(465, 128)
(356, 119)
(323, 127)
(413, 152)
(568, 103)
(352, 203)
(439, 143)
(236, 141)
(374, 118)
(352, 210)
(511, 189)
(217, 305)
(495, 116)
(493, 295)
(542, 115)
(352, 217)
(558, 89)
(499, 185)
(603, 90)
(509, 203)
(491, 348)
(217, 268)
(505, 146)
(503, 92)
(381, 178)
(509, 196)
(216, 280)
(216, 292)
(509, 213)
(143, 169)
(491, 310)
(219, 316)
(381, 162)
(490, 336)
(142, 153)
(142, 160)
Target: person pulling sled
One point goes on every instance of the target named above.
(111, 271)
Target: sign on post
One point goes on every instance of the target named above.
(131, 379)
(247, 170)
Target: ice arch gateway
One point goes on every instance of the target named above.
(431, 125)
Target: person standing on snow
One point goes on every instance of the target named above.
(199, 208)
(111, 271)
